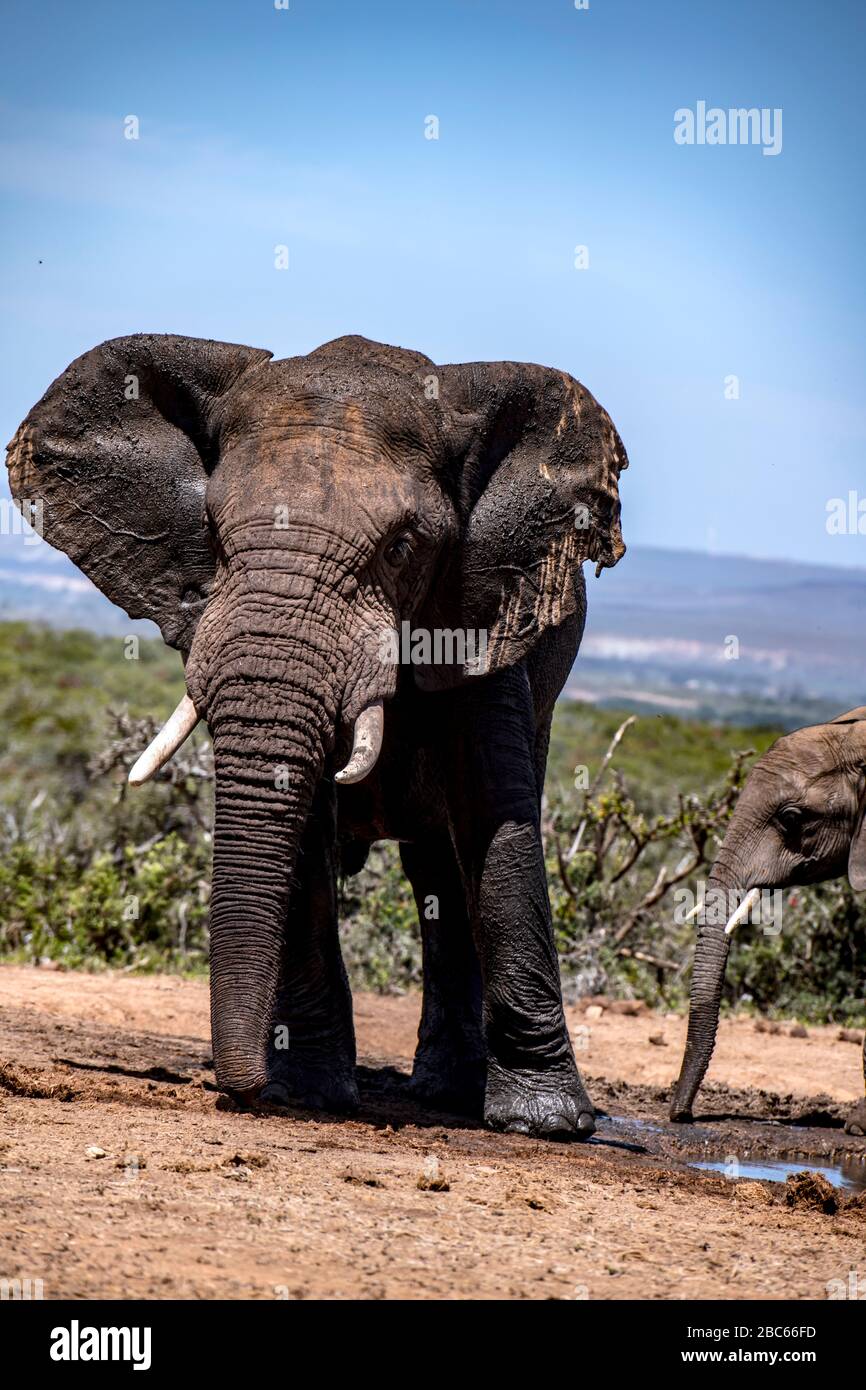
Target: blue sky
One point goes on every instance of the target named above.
(306, 127)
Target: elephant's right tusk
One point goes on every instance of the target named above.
(743, 910)
(170, 737)
(366, 745)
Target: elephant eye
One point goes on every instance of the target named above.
(399, 551)
(790, 818)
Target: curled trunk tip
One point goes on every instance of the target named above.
(708, 977)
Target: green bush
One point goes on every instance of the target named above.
(147, 910)
(379, 931)
(816, 968)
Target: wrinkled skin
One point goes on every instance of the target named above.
(276, 519)
(799, 819)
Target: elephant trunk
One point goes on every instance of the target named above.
(708, 978)
(262, 805)
(281, 667)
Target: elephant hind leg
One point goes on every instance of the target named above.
(450, 1060)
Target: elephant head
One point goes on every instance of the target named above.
(799, 819)
(278, 519)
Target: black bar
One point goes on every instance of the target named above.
(622, 1338)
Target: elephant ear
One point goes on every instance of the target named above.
(114, 461)
(537, 465)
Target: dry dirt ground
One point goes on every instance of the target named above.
(121, 1176)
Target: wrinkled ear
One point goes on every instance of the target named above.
(113, 461)
(857, 853)
(538, 463)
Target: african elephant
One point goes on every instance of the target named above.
(283, 521)
(799, 819)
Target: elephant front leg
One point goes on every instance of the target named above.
(311, 1053)
(533, 1085)
(450, 1059)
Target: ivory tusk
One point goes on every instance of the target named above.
(366, 745)
(743, 910)
(693, 913)
(173, 733)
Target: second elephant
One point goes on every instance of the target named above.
(800, 818)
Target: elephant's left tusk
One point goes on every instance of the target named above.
(743, 910)
(170, 737)
(366, 745)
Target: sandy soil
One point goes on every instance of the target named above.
(122, 1175)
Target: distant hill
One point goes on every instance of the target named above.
(40, 585)
(724, 635)
(659, 628)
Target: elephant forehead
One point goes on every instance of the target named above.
(776, 778)
(805, 772)
(351, 394)
(378, 431)
(314, 474)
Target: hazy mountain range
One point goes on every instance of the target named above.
(692, 633)
(725, 635)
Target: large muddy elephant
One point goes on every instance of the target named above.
(799, 819)
(283, 522)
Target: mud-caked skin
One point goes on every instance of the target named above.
(281, 521)
(800, 818)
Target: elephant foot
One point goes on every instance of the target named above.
(856, 1121)
(546, 1104)
(681, 1114)
(312, 1084)
(445, 1078)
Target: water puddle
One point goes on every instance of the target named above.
(627, 1123)
(849, 1177)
